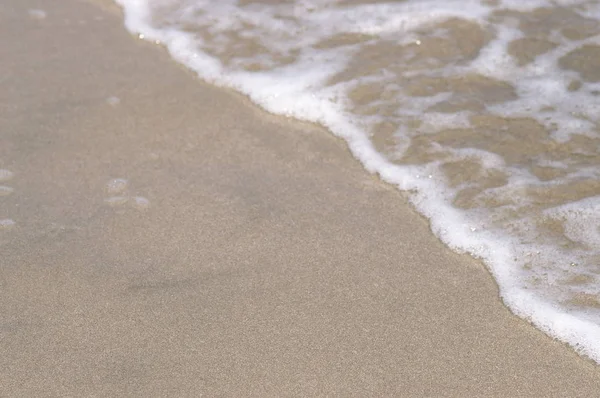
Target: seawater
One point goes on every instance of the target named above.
(486, 112)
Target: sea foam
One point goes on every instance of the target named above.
(484, 111)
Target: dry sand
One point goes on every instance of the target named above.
(266, 262)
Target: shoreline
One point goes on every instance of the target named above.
(266, 261)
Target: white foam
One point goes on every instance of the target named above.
(301, 88)
(582, 220)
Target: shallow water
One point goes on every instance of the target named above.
(487, 112)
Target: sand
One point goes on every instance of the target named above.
(244, 254)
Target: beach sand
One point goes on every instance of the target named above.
(244, 254)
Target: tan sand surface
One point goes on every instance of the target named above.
(246, 254)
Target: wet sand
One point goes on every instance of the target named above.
(246, 255)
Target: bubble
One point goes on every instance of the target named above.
(4, 190)
(116, 185)
(115, 201)
(140, 203)
(6, 223)
(113, 101)
(5, 175)
(37, 14)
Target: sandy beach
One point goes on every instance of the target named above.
(172, 239)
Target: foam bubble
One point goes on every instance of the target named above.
(140, 203)
(5, 190)
(116, 185)
(113, 101)
(36, 13)
(5, 175)
(6, 224)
